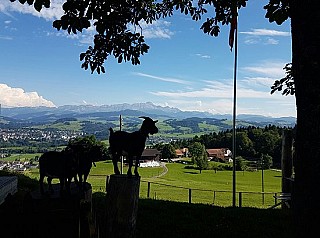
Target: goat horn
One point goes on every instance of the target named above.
(145, 117)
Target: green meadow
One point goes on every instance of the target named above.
(209, 187)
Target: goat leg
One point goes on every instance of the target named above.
(129, 173)
(49, 179)
(115, 164)
(136, 166)
(41, 184)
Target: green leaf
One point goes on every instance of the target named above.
(38, 5)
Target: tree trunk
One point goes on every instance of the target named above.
(306, 71)
(122, 206)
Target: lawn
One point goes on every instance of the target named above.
(209, 187)
(163, 218)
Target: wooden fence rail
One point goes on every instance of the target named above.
(191, 194)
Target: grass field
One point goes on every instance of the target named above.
(157, 218)
(208, 187)
(21, 157)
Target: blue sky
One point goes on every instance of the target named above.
(184, 68)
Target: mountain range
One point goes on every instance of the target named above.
(51, 114)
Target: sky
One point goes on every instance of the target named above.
(185, 68)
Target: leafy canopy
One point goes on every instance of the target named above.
(119, 32)
(118, 23)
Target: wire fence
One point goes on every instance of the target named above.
(162, 191)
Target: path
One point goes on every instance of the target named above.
(163, 165)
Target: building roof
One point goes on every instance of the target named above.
(215, 151)
(150, 152)
(179, 152)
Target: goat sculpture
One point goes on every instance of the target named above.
(54, 164)
(130, 144)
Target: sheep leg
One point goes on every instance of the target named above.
(129, 173)
(136, 166)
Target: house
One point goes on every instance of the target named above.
(182, 152)
(221, 154)
(179, 153)
(150, 155)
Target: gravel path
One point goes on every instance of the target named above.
(163, 165)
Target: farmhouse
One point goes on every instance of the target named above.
(221, 154)
(150, 155)
(150, 158)
(182, 152)
(179, 153)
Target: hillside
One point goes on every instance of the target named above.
(173, 123)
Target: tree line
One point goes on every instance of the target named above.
(252, 143)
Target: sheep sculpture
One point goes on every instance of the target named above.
(130, 144)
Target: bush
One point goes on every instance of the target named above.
(220, 166)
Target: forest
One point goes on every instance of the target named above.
(251, 142)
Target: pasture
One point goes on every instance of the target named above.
(209, 187)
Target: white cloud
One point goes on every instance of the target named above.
(264, 36)
(265, 32)
(54, 12)
(165, 79)
(253, 93)
(158, 29)
(259, 81)
(17, 97)
(271, 41)
(204, 56)
(5, 38)
(267, 68)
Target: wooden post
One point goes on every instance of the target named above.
(148, 193)
(107, 182)
(71, 213)
(240, 199)
(190, 196)
(286, 161)
(122, 206)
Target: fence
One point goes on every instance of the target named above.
(161, 191)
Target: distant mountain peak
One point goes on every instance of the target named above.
(126, 109)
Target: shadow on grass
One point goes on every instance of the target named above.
(158, 218)
(13, 218)
(189, 172)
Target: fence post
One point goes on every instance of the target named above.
(275, 198)
(107, 182)
(190, 195)
(287, 162)
(214, 196)
(240, 199)
(148, 193)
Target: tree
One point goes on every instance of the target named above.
(244, 145)
(240, 163)
(83, 145)
(113, 38)
(168, 152)
(266, 161)
(199, 155)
